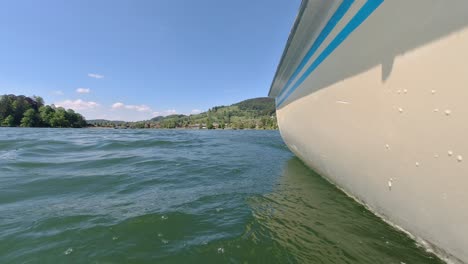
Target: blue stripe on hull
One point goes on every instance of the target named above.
(368, 8)
(337, 16)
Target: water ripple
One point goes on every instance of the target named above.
(178, 196)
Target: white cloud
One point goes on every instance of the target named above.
(77, 104)
(139, 108)
(95, 76)
(58, 92)
(128, 112)
(83, 90)
(195, 111)
(118, 105)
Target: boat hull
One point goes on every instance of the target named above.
(384, 114)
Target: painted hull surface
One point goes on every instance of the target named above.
(372, 94)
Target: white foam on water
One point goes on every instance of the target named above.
(68, 251)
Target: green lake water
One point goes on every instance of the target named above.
(178, 196)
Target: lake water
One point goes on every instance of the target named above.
(178, 196)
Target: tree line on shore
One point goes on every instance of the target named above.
(23, 111)
(20, 110)
(257, 113)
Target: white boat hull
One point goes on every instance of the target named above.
(384, 115)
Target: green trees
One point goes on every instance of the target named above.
(46, 113)
(30, 118)
(31, 112)
(168, 123)
(209, 121)
(13, 107)
(9, 121)
(40, 102)
(60, 118)
(5, 108)
(19, 106)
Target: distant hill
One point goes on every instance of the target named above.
(105, 122)
(161, 118)
(256, 113)
(263, 105)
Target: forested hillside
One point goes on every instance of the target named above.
(257, 113)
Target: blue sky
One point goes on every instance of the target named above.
(136, 59)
